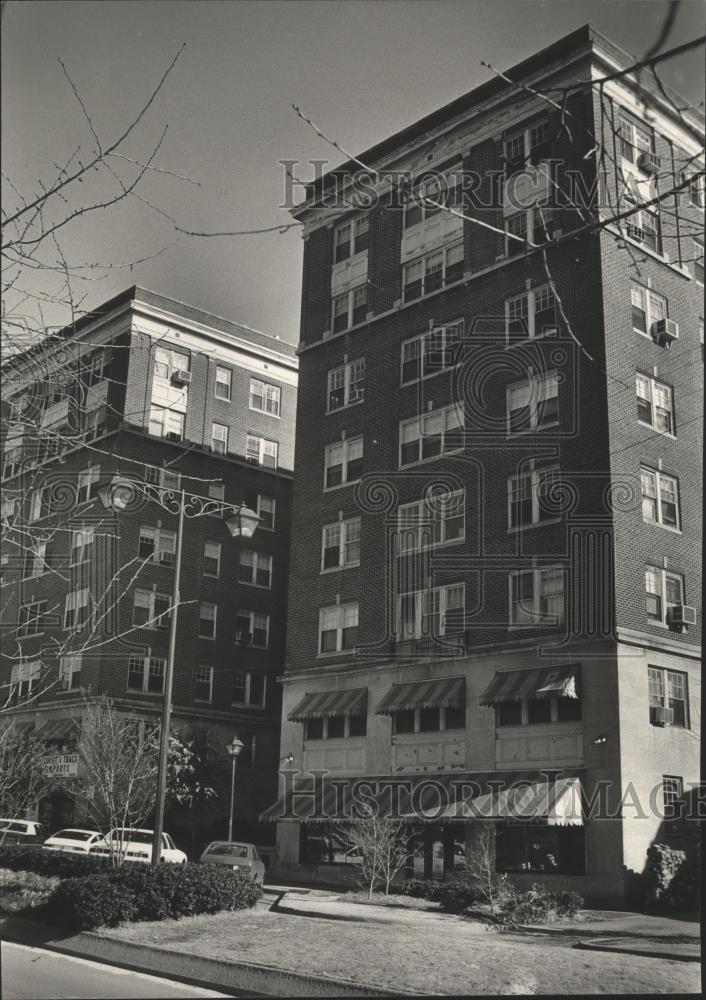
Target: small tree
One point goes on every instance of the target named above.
(22, 770)
(480, 869)
(381, 846)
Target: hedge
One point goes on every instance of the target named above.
(29, 858)
(671, 878)
(140, 892)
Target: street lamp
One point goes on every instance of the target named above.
(233, 748)
(117, 495)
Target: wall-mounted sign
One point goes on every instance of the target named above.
(62, 765)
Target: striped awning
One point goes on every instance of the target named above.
(556, 802)
(58, 729)
(447, 692)
(315, 706)
(540, 682)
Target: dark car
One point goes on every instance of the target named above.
(233, 854)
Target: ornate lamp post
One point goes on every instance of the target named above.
(233, 748)
(118, 495)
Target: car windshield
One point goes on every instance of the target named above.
(74, 834)
(134, 836)
(231, 850)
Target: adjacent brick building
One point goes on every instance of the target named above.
(497, 512)
(164, 394)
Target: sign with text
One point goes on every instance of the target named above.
(62, 765)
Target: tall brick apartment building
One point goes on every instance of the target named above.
(497, 509)
(163, 394)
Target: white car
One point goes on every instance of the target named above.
(20, 831)
(73, 841)
(136, 845)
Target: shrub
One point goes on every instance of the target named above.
(420, 889)
(537, 904)
(21, 892)
(663, 863)
(32, 858)
(455, 897)
(139, 892)
(683, 892)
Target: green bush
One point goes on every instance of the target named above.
(139, 892)
(26, 858)
(663, 863)
(420, 889)
(537, 904)
(683, 892)
(456, 897)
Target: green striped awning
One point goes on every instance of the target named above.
(446, 692)
(314, 706)
(540, 682)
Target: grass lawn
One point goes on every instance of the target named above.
(430, 954)
(380, 899)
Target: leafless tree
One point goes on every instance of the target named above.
(379, 846)
(22, 770)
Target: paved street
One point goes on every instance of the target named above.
(35, 974)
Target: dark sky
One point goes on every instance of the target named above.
(361, 70)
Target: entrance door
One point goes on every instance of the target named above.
(434, 853)
(56, 812)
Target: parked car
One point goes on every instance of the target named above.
(234, 855)
(136, 845)
(21, 831)
(74, 841)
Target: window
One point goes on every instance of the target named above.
(432, 352)
(262, 451)
(265, 398)
(660, 498)
(23, 677)
(516, 226)
(537, 596)
(340, 544)
(32, 618)
(669, 689)
(81, 545)
(663, 591)
(428, 720)
(350, 238)
(528, 145)
(249, 689)
(224, 378)
(93, 367)
(76, 609)
(672, 795)
(146, 674)
(203, 683)
(655, 405)
(530, 315)
(647, 308)
(255, 568)
(94, 423)
(219, 438)
(264, 506)
(437, 269)
(40, 505)
(643, 225)
(335, 727)
(343, 462)
(217, 491)
(11, 460)
(166, 423)
(346, 385)
(157, 545)
(633, 139)
(435, 433)
(524, 847)
(150, 609)
(166, 362)
(698, 260)
(252, 628)
(159, 476)
(537, 711)
(437, 520)
(426, 202)
(211, 558)
(529, 496)
(508, 713)
(533, 405)
(207, 620)
(696, 189)
(38, 558)
(338, 628)
(350, 307)
(430, 613)
(70, 672)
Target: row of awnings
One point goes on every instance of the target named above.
(54, 729)
(545, 797)
(446, 692)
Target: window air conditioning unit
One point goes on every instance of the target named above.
(635, 232)
(243, 637)
(664, 331)
(649, 163)
(681, 616)
(660, 716)
(253, 461)
(172, 436)
(181, 377)
(166, 557)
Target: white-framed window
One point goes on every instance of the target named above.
(436, 520)
(660, 498)
(255, 568)
(207, 620)
(11, 461)
(672, 795)
(350, 307)
(343, 462)
(433, 271)
(527, 146)
(350, 238)
(94, 423)
(647, 308)
(252, 628)
(76, 608)
(663, 590)
(31, 618)
(340, 544)
(335, 727)
(157, 544)
(38, 557)
(166, 362)
(427, 200)
(217, 491)
(346, 385)
(537, 596)
(534, 404)
(531, 315)
(249, 689)
(338, 628)
(211, 558)
(633, 139)
(166, 423)
(429, 353)
(146, 674)
(40, 504)
(530, 225)
(92, 367)
(529, 496)
(219, 438)
(670, 689)
(437, 611)
(70, 672)
(265, 398)
(655, 404)
(150, 609)
(82, 544)
(159, 476)
(697, 185)
(698, 261)
(262, 451)
(435, 433)
(24, 677)
(224, 383)
(265, 507)
(203, 683)
(87, 484)
(644, 225)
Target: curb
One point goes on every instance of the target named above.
(609, 944)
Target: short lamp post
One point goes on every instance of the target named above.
(233, 748)
(118, 495)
